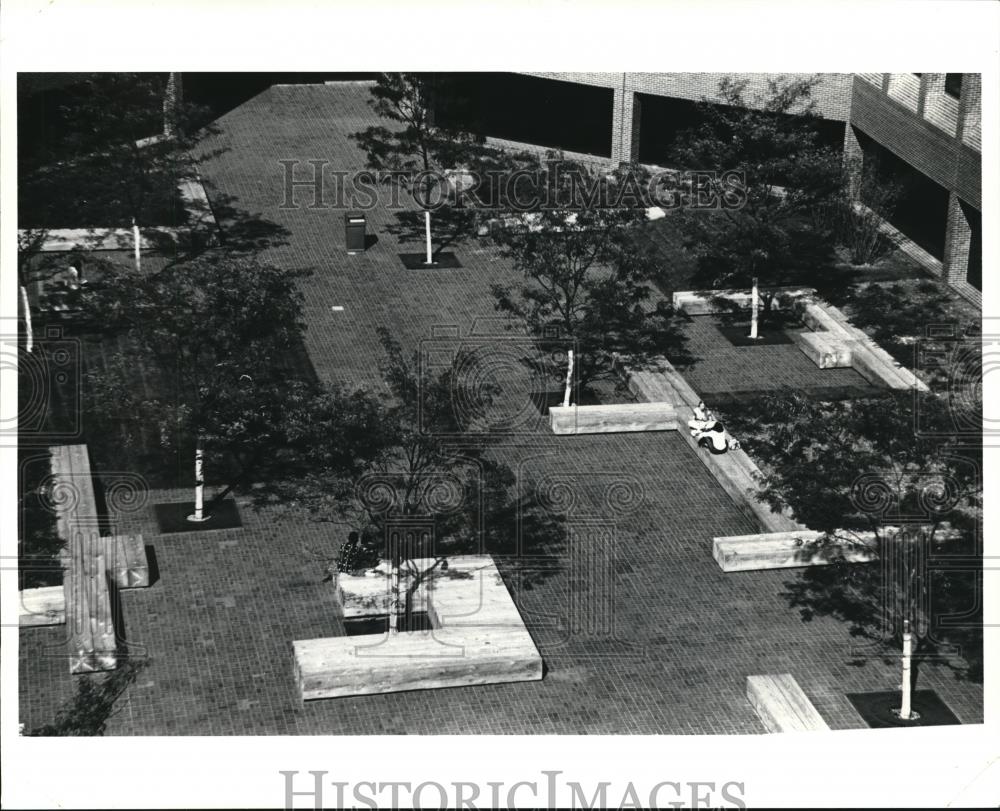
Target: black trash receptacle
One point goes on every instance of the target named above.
(354, 232)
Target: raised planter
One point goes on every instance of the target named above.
(706, 302)
(618, 418)
(823, 349)
(782, 706)
(783, 550)
(478, 637)
(41, 606)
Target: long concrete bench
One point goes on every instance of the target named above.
(734, 470)
(90, 628)
(869, 359)
(615, 418)
(92, 565)
(784, 550)
(478, 638)
(781, 704)
(42, 606)
(824, 349)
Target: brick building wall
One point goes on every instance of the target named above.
(914, 116)
(938, 134)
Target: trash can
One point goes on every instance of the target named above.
(354, 232)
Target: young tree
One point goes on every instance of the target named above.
(766, 152)
(393, 457)
(885, 474)
(866, 201)
(212, 336)
(112, 160)
(417, 154)
(586, 275)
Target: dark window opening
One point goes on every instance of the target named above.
(532, 110)
(974, 272)
(921, 210)
(953, 84)
(662, 119)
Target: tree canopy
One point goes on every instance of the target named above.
(586, 276)
(771, 141)
(890, 473)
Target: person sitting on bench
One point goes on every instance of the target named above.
(703, 419)
(714, 438)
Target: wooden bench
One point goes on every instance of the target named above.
(617, 418)
(782, 705)
(90, 632)
(478, 638)
(42, 606)
(734, 470)
(783, 550)
(127, 561)
(824, 349)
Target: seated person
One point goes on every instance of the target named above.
(714, 438)
(703, 418)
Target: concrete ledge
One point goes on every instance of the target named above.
(478, 637)
(783, 550)
(617, 418)
(41, 606)
(823, 349)
(127, 562)
(734, 470)
(782, 705)
(703, 302)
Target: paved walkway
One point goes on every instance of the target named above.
(642, 634)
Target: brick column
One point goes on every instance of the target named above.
(626, 118)
(958, 236)
(970, 109)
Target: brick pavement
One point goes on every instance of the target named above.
(218, 626)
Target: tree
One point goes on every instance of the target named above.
(212, 337)
(112, 159)
(417, 154)
(861, 473)
(866, 201)
(585, 274)
(402, 456)
(93, 705)
(766, 153)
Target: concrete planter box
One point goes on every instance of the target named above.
(782, 550)
(603, 419)
(42, 606)
(823, 349)
(478, 637)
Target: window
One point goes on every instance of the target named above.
(953, 84)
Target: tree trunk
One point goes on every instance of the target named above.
(199, 484)
(136, 241)
(569, 377)
(394, 579)
(754, 308)
(906, 709)
(427, 236)
(29, 333)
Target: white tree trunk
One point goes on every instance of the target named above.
(29, 333)
(136, 241)
(905, 708)
(199, 484)
(427, 236)
(394, 578)
(754, 308)
(569, 377)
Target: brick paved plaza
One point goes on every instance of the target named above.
(652, 638)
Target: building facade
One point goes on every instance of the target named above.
(921, 130)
